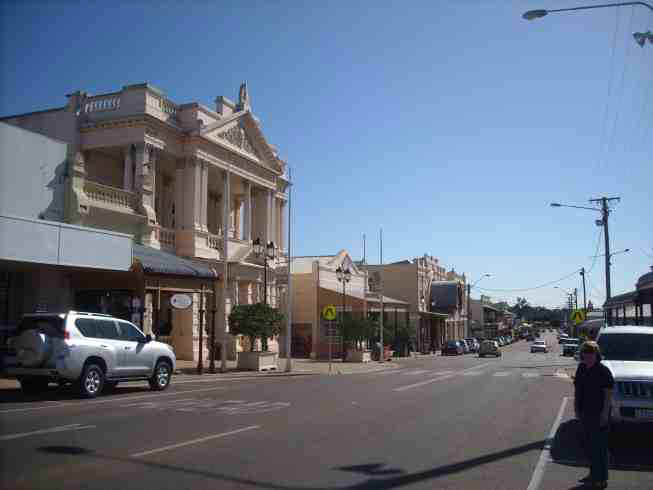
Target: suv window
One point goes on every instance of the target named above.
(626, 347)
(97, 328)
(129, 332)
(51, 326)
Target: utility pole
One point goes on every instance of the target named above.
(582, 273)
(381, 353)
(576, 297)
(605, 211)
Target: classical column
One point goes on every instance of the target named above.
(180, 216)
(225, 273)
(282, 225)
(247, 212)
(146, 180)
(270, 216)
(193, 193)
(204, 189)
(128, 170)
(238, 202)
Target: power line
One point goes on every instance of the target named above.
(533, 288)
(596, 252)
(610, 147)
(607, 99)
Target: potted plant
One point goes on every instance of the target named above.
(256, 321)
(357, 331)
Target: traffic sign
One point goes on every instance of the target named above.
(577, 316)
(329, 312)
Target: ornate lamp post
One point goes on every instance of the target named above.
(344, 276)
(269, 253)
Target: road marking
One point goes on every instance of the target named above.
(416, 371)
(438, 378)
(119, 399)
(61, 428)
(530, 375)
(194, 441)
(538, 473)
(502, 373)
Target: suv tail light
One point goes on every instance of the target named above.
(66, 335)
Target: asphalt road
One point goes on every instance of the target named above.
(437, 422)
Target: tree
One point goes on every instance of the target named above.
(520, 307)
(255, 321)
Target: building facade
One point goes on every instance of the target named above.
(315, 285)
(436, 298)
(634, 307)
(185, 180)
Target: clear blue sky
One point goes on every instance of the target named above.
(452, 125)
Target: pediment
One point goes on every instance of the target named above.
(243, 132)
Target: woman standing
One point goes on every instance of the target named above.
(593, 386)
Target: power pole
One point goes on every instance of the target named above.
(576, 297)
(582, 273)
(605, 211)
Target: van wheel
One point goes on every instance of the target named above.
(92, 381)
(33, 385)
(161, 377)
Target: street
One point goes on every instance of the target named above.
(434, 422)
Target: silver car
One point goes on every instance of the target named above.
(92, 350)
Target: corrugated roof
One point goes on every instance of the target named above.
(628, 297)
(158, 262)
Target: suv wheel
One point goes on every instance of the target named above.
(33, 385)
(161, 377)
(92, 381)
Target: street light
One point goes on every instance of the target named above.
(641, 37)
(469, 290)
(268, 254)
(539, 13)
(605, 213)
(344, 276)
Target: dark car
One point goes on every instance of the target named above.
(453, 348)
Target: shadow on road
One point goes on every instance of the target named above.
(376, 471)
(630, 447)
(58, 393)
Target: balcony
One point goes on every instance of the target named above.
(111, 198)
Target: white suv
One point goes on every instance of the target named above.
(90, 349)
(628, 352)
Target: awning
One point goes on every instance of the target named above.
(370, 298)
(432, 314)
(156, 261)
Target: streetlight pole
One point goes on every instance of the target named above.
(605, 212)
(469, 308)
(268, 254)
(582, 274)
(539, 13)
(343, 276)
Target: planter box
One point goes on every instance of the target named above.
(257, 361)
(359, 356)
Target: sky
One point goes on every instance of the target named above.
(451, 126)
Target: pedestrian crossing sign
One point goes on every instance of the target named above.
(329, 312)
(577, 316)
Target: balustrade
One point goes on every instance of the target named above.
(109, 103)
(110, 195)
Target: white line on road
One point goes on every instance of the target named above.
(502, 373)
(194, 441)
(61, 428)
(536, 479)
(416, 371)
(438, 378)
(85, 403)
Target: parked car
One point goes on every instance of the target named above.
(91, 350)
(570, 346)
(539, 346)
(473, 344)
(465, 345)
(562, 337)
(453, 348)
(530, 338)
(489, 348)
(627, 352)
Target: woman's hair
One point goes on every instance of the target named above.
(590, 346)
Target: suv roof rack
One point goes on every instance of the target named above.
(89, 313)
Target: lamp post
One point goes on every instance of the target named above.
(268, 253)
(539, 13)
(605, 213)
(469, 307)
(344, 276)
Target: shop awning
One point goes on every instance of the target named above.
(156, 261)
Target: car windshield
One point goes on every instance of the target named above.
(626, 347)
